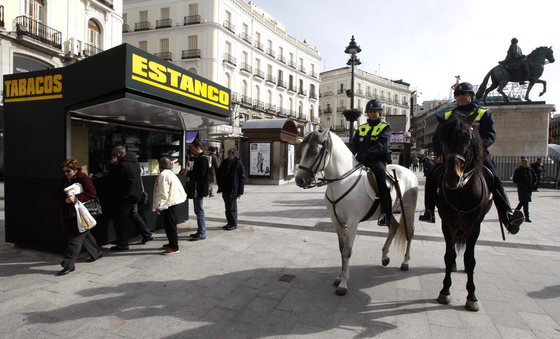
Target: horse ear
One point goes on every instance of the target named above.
(440, 120)
(324, 134)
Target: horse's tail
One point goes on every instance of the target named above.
(460, 241)
(405, 232)
(483, 85)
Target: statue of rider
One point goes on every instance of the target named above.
(516, 60)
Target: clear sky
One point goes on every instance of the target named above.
(426, 42)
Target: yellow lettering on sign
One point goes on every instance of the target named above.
(57, 83)
(200, 88)
(187, 83)
(7, 89)
(224, 98)
(22, 86)
(139, 65)
(212, 93)
(157, 72)
(174, 75)
(39, 85)
(30, 86)
(48, 84)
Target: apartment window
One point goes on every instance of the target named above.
(228, 47)
(258, 64)
(228, 16)
(143, 45)
(281, 51)
(280, 75)
(292, 57)
(244, 88)
(94, 34)
(164, 45)
(328, 122)
(257, 93)
(269, 97)
(341, 103)
(300, 108)
(193, 9)
(258, 36)
(193, 42)
(375, 92)
(269, 70)
(36, 10)
(143, 16)
(291, 81)
(280, 101)
(396, 98)
(245, 57)
(164, 13)
(245, 29)
(270, 45)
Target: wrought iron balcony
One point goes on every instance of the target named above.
(164, 55)
(313, 95)
(142, 26)
(38, 31)
(292, 88)
(90, 50)
(163, 23)
(125, 28)
(246, 100)
(229, 26)
(313, 74)
(340, 108)
(246, 37)
(301, 91)
(292, 64)
(327, 93)
(106, 3)
(340, 91)
(228, 58)
(259, 45)
(246, 67)
(234, 97)
(258, 74)
(190, 54)
(270, 108)
(281, 59)
(270, 52)
(271, 79)
(192, 20)
(281, 83)
(258, 105)
(302, 69)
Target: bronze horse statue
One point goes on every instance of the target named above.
(501, 74)
(464, 198)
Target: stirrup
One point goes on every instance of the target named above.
(383, 220)
(427, 216)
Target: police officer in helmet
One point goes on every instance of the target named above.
(371, 144)
(484, 122)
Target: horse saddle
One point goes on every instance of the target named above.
(373, 191)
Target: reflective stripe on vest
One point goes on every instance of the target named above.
(479, 116)
(365, 128)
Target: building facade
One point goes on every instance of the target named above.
(237, 44)
(41, 34)
(395, 96)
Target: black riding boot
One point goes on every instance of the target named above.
(430, 198)
(510, 218)
(387, 208)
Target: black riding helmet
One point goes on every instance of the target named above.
(374, 105)
(464, 87)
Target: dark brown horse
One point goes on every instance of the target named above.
(464, 198)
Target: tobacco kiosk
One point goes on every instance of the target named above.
(121, 96)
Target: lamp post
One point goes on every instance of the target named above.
(352, 114)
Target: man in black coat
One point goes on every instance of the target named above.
(524, 177)
(231, 182)
(124, 175)
(199, 174)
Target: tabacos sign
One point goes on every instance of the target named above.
(155, 74)
(44, 87)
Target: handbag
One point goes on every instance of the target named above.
(94, 207)
(190, 189)
(84, 219)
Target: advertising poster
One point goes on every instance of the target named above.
(259, 159)
(291, 159)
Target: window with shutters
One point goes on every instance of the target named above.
(143, 45)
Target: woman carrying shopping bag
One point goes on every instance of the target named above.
(85, 191)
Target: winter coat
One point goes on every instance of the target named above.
(125, 179)
(368, 150)
(524, 177)
(70, 225)
(168, 190)
(231, 177)
(199, 174)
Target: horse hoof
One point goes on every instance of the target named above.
(471, 305)
(385, 262)
(444, 299)
(341, 291)
(404, 267)
(336, 282)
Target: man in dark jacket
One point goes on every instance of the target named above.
(484, 123)
(538, 168)
(231, 182)
(199, 174)
(524, 177)
(371, 145)
(124, 174)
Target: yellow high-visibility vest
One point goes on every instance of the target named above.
(480, 114)
(365, 128)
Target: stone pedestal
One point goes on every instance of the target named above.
(521, 129)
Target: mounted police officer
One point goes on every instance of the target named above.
(371, 146)
(464, 94)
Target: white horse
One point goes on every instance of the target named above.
(349, 196)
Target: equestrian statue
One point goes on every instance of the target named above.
(517, 68)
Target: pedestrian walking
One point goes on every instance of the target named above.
(231, 182)
(212, 170)
(415, 163)
(124, 176)
(199, 174)
(524, 177)
(73, 174)
(538, 167)
(168, 193)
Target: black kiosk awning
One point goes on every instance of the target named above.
(123, 85)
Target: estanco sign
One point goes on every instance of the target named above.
(155, 74)
(42, 87)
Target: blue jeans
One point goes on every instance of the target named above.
(200, 220)
(129, 211)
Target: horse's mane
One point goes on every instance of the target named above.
(536, 51)
(312, 139)
(453, 130)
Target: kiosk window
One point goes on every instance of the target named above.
(92, 143)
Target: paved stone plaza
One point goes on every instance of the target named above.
(232, 284)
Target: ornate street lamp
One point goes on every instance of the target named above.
(352, 114)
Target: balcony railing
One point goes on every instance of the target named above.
(271, 79)
(313, 74)
(90, 50)
(270, 52)
(292, 64)
(340, 108)
(302, 92)
(270, 108)
(246, 37)
(142, 26)
(327, 93)
(327, 110)
(106, 3)
(259, 45)
(258, 105)
(340, 91)
(190, 54)
(125, 28)
(292, 88)
(258, 74)
(164, 55)
(281, 83)
(281, 58)
(1, 16)
(234, 97)
(229, 59)
(246, 67)
(246, 100)
(301, 68)
(36, 30)
(192, 19)
(229, 26)
(163, 23)
(313, 95)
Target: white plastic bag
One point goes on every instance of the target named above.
(83, 217)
